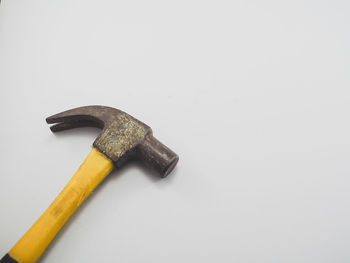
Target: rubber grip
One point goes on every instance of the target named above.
(7, 259)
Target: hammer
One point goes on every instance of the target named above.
(122, 138)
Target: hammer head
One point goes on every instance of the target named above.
(122, 137)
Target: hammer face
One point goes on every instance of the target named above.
(157, 156)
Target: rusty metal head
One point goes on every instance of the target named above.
(122, 137)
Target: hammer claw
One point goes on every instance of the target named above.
(75, 118)
(92, 116)
(67, 125)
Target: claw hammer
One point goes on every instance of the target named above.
(122, 138)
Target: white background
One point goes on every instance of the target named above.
(252, 95)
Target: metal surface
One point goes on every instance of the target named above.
(122, 138)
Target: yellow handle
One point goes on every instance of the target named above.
(93, 170)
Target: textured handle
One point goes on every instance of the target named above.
(8, 259)
(31, 246)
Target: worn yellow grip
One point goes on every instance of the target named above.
(93, 170)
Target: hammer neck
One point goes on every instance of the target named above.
(156, 155)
